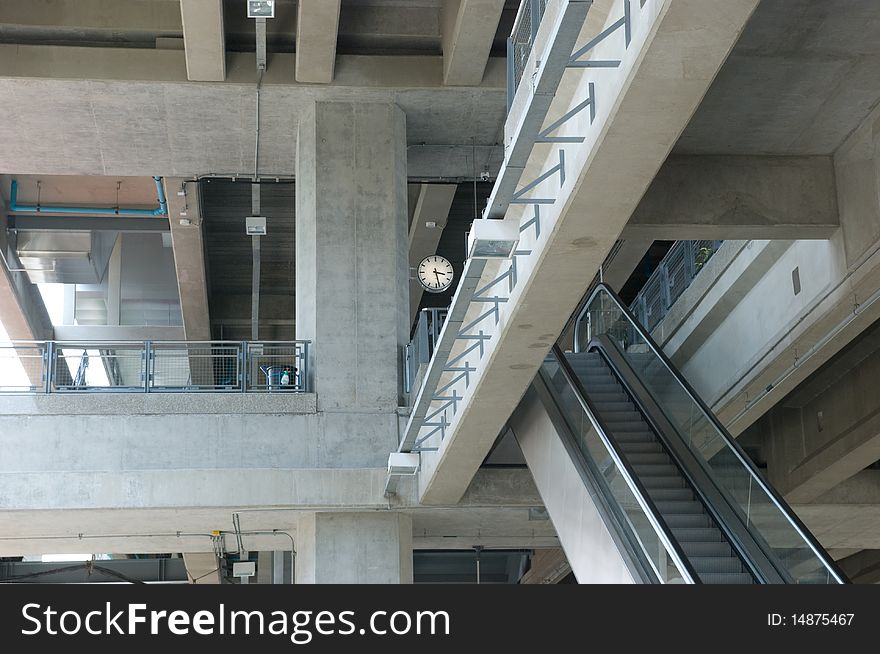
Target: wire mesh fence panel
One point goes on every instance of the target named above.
(278, 366)
(523, 35)
(213, 366)
(22, 367)
(98, 366)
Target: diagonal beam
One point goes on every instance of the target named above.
(317, 24)
(204, 40)
(468, 31)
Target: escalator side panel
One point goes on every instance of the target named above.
(593, 553)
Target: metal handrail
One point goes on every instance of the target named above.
(245, 355)
(740, 454)
(632, 481)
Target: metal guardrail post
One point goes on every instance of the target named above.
(511, 73)
(535, 19)
(48, 364)
(306, 382)
(148, 365)
(244, 362)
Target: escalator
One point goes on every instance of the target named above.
(641, 480)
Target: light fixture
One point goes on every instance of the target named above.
(261, 9)
(403, 463)
(493, 239)
(255, 225)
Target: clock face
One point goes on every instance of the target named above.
(435, 273)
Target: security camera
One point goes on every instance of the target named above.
(484, 176)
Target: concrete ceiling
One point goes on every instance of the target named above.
(801, 78)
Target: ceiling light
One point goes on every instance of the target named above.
(261, 8)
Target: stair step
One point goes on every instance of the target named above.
(716, 564)
(605, 396)
(627, 415)
(648, 458)
(654, 470)
(688, 521)
(678, 507)
(697, 535)
(662, 482)
(635, 437)
(602, 407)
(727, 578)
(627, 426)
(697, 548)
(641, 447)
(671, 494)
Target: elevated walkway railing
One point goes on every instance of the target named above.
(154, 366)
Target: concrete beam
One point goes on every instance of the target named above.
(22, 311)
(623, 260)
(317, 24)
(432, 206)
(189, 259)
(81, 128)
(862, 567)
(549, 566)
(677, 48)
(738, 197)
(204, 40)
(468, 31)
(847, 516)
(835, 434)
(202, 567)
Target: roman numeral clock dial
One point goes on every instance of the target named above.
(435, 273)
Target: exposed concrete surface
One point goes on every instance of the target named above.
(352, 277)
(677, 48)
(354, 548)
(722, 197)
(132, 111)
(204, 40)
(317, 22)
(189, 259)
(156, 404)
(468, 31)
(589, 547)
(202, 567)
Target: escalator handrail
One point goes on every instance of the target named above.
(731, 442)
(632, 481)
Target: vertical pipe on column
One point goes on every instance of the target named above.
(255, 274)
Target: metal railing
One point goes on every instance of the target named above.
(671, 278)
(154, 366)
(520, 42)
(421, 347)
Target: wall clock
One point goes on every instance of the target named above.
(435, 273)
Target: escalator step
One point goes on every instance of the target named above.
(635, 437)
(671, 494)
(641, 447)
(716, 564)
(652, 482)
(602, 407)
(696, 548)
(688, 521)
(627, 415)
(628, 426)
(677, 507)
(697, 535)
(653, 470)
(727, 578)
(648, 458)
(599, 398)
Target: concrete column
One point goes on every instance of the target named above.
(361, 548)
(352, 252)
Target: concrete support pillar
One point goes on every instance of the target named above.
(352, 252)
(361, 548)
(202, 567)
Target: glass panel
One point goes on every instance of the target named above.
(767, 520)
(605, 469)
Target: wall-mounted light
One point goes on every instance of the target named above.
(493, 239)
(261, 9)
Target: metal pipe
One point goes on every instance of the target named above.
(161, 210)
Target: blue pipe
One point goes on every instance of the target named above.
(161, 210)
